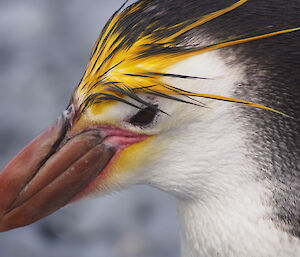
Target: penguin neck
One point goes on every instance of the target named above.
(234, 224)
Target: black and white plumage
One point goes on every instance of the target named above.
(233, 169)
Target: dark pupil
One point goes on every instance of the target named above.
(143, 117)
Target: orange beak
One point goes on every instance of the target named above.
(49, 172)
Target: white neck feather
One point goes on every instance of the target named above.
(234, 225)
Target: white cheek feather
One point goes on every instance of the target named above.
(203, 163)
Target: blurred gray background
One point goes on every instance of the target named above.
(44, 49)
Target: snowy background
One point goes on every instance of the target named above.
(44, 49)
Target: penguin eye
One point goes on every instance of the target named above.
(144, 117)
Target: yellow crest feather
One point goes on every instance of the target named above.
(136, 62)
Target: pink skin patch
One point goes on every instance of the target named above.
(117, 138)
